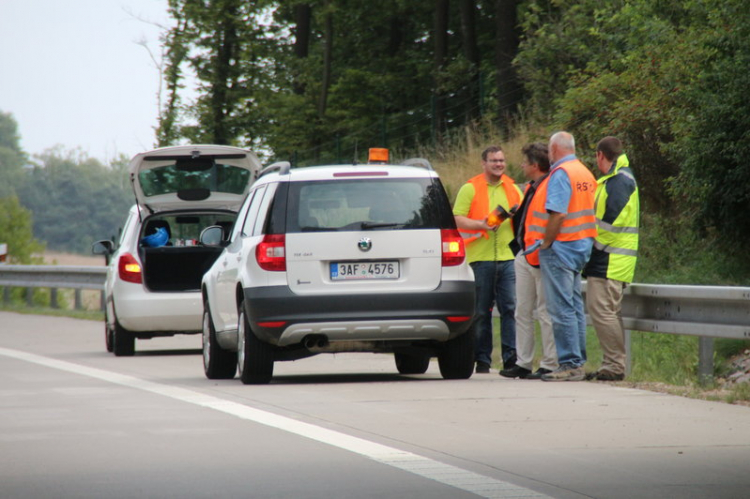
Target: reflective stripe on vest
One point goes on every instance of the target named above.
(480, 204)
(579, 222)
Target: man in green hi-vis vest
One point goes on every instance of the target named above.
(612, 264)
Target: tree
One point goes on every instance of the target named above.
(16, 232)
(12, 158)
(75, 200)
(714, 138)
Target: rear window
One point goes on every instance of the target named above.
(216, 178)
(367, 204)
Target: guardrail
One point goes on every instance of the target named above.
(705, 311)
(53, 277)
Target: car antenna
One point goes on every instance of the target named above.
(356, 143)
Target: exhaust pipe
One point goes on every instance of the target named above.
(315, 341)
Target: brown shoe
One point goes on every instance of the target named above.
(608, 376)
(565, 373)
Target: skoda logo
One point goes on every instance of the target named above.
(364, 244)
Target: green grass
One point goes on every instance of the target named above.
(91, 315)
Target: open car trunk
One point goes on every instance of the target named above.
(170, 269)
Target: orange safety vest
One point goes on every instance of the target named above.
(580, 221)
(480, 204)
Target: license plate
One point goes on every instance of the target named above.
(365, 270)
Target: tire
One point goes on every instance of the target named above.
(123, 341)
(456, 357)
(217, 362)
(108, 335)
(254, 358)
(412, 364)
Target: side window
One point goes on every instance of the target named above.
(252, 212)
(261, 218)
(237, 228)
(124, 232)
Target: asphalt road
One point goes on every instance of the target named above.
(75, 421)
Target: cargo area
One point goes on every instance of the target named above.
(170, 269)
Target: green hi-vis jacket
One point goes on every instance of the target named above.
(617, 213)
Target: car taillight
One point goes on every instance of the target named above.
(271, 253)
(454, 250)
(129, 269)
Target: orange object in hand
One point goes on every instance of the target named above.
(499, 215)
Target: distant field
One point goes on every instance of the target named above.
(55, 258)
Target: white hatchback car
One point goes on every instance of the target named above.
(339, 258)
(155, 271)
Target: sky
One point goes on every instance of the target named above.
(72, 72)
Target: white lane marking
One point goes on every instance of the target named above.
(468, 481)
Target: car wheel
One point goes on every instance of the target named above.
(217, 362)
(123, 341)
(456, 357)
(108, 334)
(412, 364)
(254, 358)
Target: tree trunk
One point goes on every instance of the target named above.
(442, 12)
(176, 54)
(225, 52)
(471, 52)
(327, 55)
(506, 48)
(302, 19)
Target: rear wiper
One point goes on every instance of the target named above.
(380, 225)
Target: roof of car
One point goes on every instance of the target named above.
(349, 171)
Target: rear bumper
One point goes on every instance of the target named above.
(361, 317)
(141, 311)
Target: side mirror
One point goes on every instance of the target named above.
(212, 236)
(104, 247)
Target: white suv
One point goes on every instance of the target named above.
(154, 276)
(335, 259)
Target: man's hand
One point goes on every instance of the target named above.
(554, 224)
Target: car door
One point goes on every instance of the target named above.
(231, 260)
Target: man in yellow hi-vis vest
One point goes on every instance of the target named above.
(612, 264)
(489, 254)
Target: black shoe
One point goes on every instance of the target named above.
(483, 368)
(515, 372)
(538, 373)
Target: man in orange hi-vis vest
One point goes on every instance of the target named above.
(562, 223)
(489, 254)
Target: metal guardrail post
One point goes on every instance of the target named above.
(628, 353)
(53, 298)
(705, 360)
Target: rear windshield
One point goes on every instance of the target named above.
(218, 178)
(367, 204)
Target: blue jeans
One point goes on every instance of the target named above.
(495, 283)
(562, 289)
